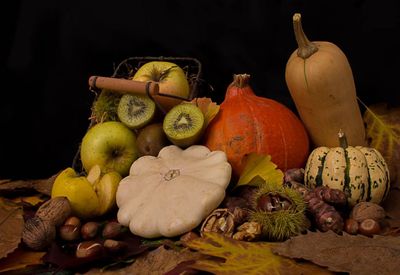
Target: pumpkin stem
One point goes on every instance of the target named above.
(306, 48)
(241, 80)
(342, 139)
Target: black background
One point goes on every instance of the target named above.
(50, 48)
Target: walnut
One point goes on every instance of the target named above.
(55, 210)
(249, 231)
(219, 221)
(367, 210)
(38, 234)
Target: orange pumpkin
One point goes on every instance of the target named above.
(248, 123)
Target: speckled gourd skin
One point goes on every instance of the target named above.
(360, 172)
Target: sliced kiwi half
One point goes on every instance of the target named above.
(135, 111)
(184, 124)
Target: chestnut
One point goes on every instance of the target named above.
(112, 230)
(351, 226)
(369, 227)
(75, 221)
(89, 230)
(89, 249)
(69, 232)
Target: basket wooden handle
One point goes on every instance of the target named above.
(123, 86)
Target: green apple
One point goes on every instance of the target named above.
(171, 80)
(111, 145)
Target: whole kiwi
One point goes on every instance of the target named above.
(151, 139)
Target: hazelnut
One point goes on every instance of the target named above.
(351, 226)
(89, 230)
(89, 249)
(38, 234)
(75, 221)
(69, 232)
(114, 246)
(112, 230)
(367, 210)
(369, 227)
(55, 210)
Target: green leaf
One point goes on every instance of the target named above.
(240, 257)
(259, 170)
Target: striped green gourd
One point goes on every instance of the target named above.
(361, 172)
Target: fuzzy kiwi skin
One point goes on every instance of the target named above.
(181, 137)
(126, 114)
(151, 139)
(283, 224)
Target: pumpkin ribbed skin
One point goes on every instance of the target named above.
(248, 123)
(360, 172)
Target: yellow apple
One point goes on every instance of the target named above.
(90, 196)
(171, 80)
(79, 191)
(111, 145)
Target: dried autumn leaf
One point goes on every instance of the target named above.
(209, 108)
(260, 169)
(383, 131)
(30, 200)
(355, 254)
(11, 226)
(245, 258)
(158, 261)
(43, 186)
(20, 259)
(392, 204)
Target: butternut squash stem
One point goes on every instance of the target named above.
(306, 48)
(342, 139)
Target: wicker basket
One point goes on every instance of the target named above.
(128, 67)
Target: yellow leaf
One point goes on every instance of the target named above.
(240, 257)
(32, 200)
(20, 259)
(259, 170)
(209, 108)
(383, 132)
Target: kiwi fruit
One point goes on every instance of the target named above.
(105, 106)
(135, 111)
(151, 139)
(184, 124)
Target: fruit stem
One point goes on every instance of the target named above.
(306, 48)
(342, 139)
(241, 80)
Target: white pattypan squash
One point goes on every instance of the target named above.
(172, 193)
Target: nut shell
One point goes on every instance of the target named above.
(367, 210)
(55, 210)
(38, 234)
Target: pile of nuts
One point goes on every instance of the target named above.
(95, 238)
(53, 220)
(365, 218)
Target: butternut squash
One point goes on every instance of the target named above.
(321, 84)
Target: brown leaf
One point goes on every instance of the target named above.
(11, 226)
(383, 132)
(158, 261)
(239, 257)
(43, 186)
(355, 254)
(20, 259)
